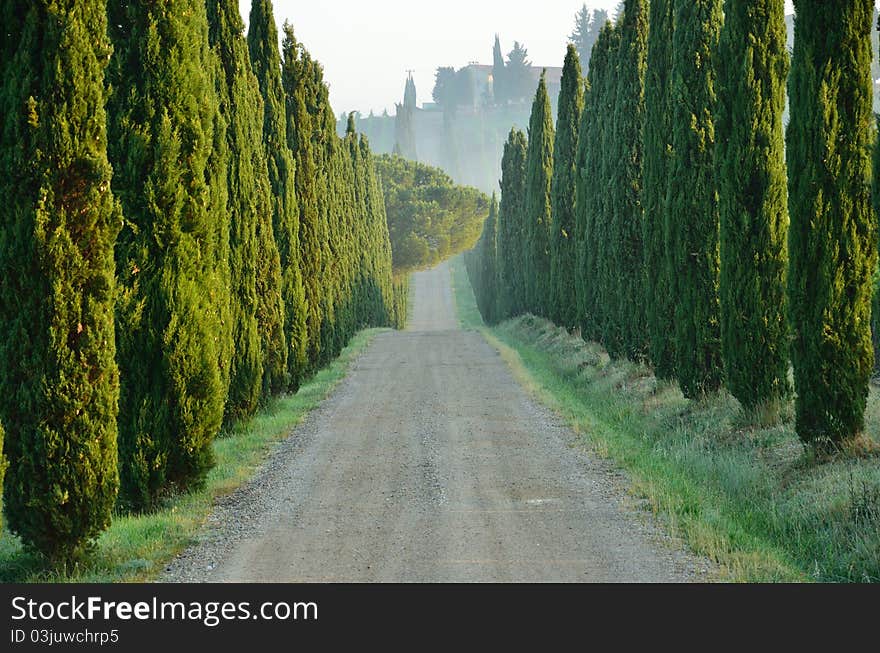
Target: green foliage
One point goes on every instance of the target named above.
(401, 302)
(832, 242)
(192, 283)
(584, 157)
(171, 261)
(345, 248)
(752, 199)
(451, 89)
(517, 82)
(658, 298)
(444, 86)
(498, 72)
(692, 210)
(59, 386)
(301, 79)
(875, 281)
(538, 217)
(511, 242)
(625, 332)
(430, 218)
(3, 466)
(562, 297)
(266, 62)
(482, 268)
(255, 307)
(137, 548)
(593, 192)
(587, 26)
(404, 122)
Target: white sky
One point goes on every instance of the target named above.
(366, 46)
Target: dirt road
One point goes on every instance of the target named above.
(430, 463)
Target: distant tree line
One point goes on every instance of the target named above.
(587, 25)
(184, 237)
(671, 217)
(430, 218)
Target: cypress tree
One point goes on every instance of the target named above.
(3, 465)
(606, 272)
(511, 221)
(163, 119)
(270, 305)
(59, 386)
(600, 177)
(299, 83)
(539, 171)
(832, 240)
(217, 178)
(752, 199)
(254, 263)
(404, 123)
(875, 299)
(392, 290)
(489, 244)
(692, 211)
(266, 62)
(329, 199)
(563, 301)
(498, 69)
(473, 266)
(582, 213)
(658, 298)
(626, 316)
(587, 193)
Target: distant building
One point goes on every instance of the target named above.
(467, 142)
(482, 83)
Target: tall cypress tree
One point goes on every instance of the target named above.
(329, 199)
(752, 199)
(298, 81)
(266, 62)
(498, 70)
(163, 119)
(59, 388)
(589, 191)
(404, 123)
(658, 299)
(832, 241)
(582, 214)
(489, 273)
(626, 316)
(3, 465)
(260, 356)
(539, 171)
(603, 179)
(511, 235)
(563, 301)
(390, 291)
(692, 211)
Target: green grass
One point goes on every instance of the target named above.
(137, 548)
(740, 491)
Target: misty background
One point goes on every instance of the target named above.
(420, 78)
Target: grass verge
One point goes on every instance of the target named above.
(137, 548)
(741, 492)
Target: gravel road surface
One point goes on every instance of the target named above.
(430, 463)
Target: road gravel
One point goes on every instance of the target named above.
(430, 463)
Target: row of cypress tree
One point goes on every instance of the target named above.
(687, 228)
(185, 236)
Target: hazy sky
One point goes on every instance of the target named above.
(366, 46)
